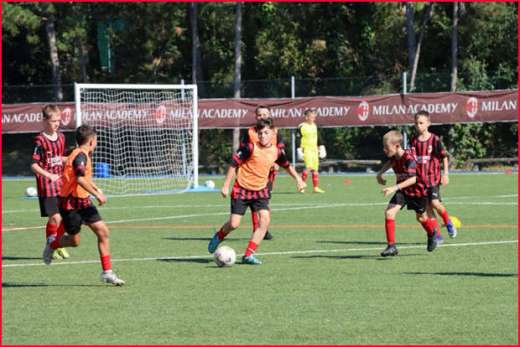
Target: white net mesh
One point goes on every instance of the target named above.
(145, 138)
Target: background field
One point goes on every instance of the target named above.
(322, 281)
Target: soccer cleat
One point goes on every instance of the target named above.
(390, 250)
(318, 190)
(302, 191)
(439, 239)
(62, 252)
(432, 243)
(268, 236)
(47, 254)
(251, 260)
(56, 255)
(111, 278)
(213, 244)
(452, 231)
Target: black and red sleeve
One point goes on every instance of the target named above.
(280, 143)
(38, 152)
(79, 164)
(243, 153)
(282, 160)
(439, 149)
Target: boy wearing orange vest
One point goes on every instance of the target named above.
(251, 164)
(76, 208)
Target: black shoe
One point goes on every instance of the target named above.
(391, 250)
(432, 243)
(268, 236)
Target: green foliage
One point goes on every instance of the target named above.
(331, 48)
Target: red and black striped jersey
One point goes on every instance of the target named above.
(406, 167)
(48, 155)
(429, 154)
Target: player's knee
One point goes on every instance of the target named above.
(55, 219)
(421, 218)
(234, 224)
(74, 241)
(389, 214)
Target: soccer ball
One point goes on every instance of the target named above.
(456, 222)
(210, 184)
(31, 192)
(225, 256)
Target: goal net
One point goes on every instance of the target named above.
(146, 136)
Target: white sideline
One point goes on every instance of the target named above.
(106, 208)
(302, 207)
(485, 243)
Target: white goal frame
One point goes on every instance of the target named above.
(78, 87)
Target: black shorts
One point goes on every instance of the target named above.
(48, 205)
(418, 204)
(434, 193)
(239, 206)
(73, 219)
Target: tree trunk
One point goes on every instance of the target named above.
(410, 33)
(55, 61)
(454, 46)
(196, 67)
(238, 66)
(426, 17)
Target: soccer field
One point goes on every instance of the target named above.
(322, 281)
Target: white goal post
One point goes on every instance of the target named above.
(147, 136)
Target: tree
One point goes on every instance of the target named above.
(454, 46)
(238, 66)
(196, 65)
(50, 22)
(427, 12)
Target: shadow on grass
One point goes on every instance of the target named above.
(19, 258)
(339, 257)
(37, 285)
(190, 238)
(188, 260)
(368, 242)
(477, 274)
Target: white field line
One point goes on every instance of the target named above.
(168, 206)
(311, 251)
(194, 215)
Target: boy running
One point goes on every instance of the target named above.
(409, 190)
(430, 151)
(251, 136)
(76, 208)
(251, 164)
(47, 165)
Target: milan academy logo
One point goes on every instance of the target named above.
(160, 114)
(472, 107)
(363, 110)
(66, 116)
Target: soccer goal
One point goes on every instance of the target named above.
(147, 140)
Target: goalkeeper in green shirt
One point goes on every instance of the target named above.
(310, 148)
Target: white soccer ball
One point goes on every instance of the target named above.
(31, 192)
(225, 256)
(210, 184)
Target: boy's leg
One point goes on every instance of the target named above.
(107, 276)
(232, 224)
(422, 217)
(433, 221)
(71, 223)
(441, 210)
(257, 237)
(305, 174)
(390, 213)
